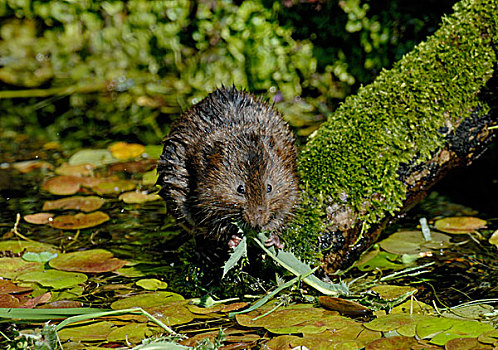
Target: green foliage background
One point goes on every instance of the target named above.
(86, 71)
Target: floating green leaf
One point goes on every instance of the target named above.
(13, 267)
(91, 261)
(29, 246)
(95, 157)
(138, 197)
(79, 221)
(146, 300)
(54, 278)
(152, 284)
(42, 257)
(83, 203)
(460, 224)
(96, 331)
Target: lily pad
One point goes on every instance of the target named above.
(30, 165)
(146, 300)
(13, 267)
(95, 157)
(123, 150)
(91, 261)
(86, 204)
(113, 187)
(7, 287)
(391, 292)
(460, 224)
(62, 185)
(412, 242)
(42, 257)
(133, 167)
(393, 321)
(79, 221)
(132, 332)
(151, 284)
(284, 317)
(441, 330)
(150, 178)
(54, 278)
(75, 170)
(172, 313)
(153, 151)
(376, 259)
(97, 331)
(138, 197)
(29, 246)
(39, 218)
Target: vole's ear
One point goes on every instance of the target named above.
(212, 154)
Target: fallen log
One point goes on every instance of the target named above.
(384, 148)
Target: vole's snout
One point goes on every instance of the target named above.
(257, 216)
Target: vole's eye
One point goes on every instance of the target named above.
(241, 189)
(269, 188)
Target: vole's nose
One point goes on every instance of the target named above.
(257, 216)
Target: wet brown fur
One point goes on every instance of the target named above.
(228, 140)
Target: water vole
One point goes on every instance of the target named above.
(230, 158)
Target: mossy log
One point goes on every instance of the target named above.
(380, 152)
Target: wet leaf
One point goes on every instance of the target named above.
(441, 330)
(62, 185)
(378, 260)
(150, 178)
(345, 307)
(133, 167)
(7, 287)
(30, 165)
(86, 204)
(460, 224)
(79, 221)
(138, 197)
(283, 317)
(151, 284)
(75, 170)
(64, 294)
(39, 218)
(62, 304)
(54, 278)
(133, 333)
(391, 292)
(42, 257)
(146, 300)
(494, 239)
(29, 246)
(95, 157)
(93, 332)
(173, 312)
(393, 321)
(9, 301)
(153, 151)
(413, 307)
(282, 342)
(412, 242)
(91, 261)
(466, 344)
(123, 150)
(113, 187)
(395, 342)
(315, 324)
(13, 267)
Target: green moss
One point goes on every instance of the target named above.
(354, 157)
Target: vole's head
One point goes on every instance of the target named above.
(250, 180)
